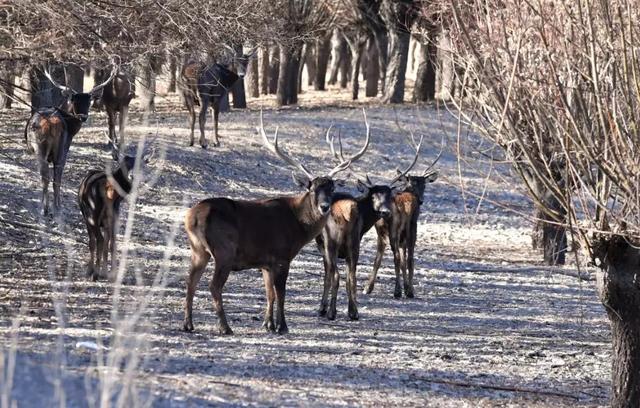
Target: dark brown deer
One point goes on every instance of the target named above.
(400, 229)
(115, 98)
(265, 234)
(351, 217)
(206, 86)
(99, 197)
(49, 132)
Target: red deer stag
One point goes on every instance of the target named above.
(99, 197)
(265, 234)
(207, 85)
(115, 98)
(49, 132)
(400, 229)
(351, 217)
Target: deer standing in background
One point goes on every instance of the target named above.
(265, 234)
(203, 86)
(115, 98)
(49, 132)
(400, 229)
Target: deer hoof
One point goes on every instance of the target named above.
(282, 329)
(322, 311)
(191, 143)
(188, 326)
(226, 331)
(397, 293)
(367, 289)
(409, 294)
(269, 326)
(204, 146)
(331, 315)
(354, 315)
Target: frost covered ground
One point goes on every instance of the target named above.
(489, 325)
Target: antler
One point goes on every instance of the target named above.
(114, 71)
(64, 89)
(344, 164)
(273, 147)
(413, 163)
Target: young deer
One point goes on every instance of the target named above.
(99, 197)
(400, 229)
(351, 217)
(265, 234)
(49, 132)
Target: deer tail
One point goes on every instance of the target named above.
(195, 225)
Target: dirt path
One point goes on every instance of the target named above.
(489, 326)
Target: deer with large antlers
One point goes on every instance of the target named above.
(400, 229)
(265, 234)
(351, 217)
(49, 132)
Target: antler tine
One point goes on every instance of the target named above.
(344, 164)
(330, 139)
(273, 147)
(57, 85)
(424, 173)
(114, 71)
(413, 163)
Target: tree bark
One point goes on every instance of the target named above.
(338, 53)
(310, 62)
(345, 69)
(274, 69)
(619, 292)
(382, 42)
(282, 95)
(425, 86)
(252, 80)
(263, 59)
(43, 92)
(397, 15)
(445, 75)
(146, 74)
(172, 68)
(372, 69)
(303, 60)
(323, 51)
(74, 77)
(7, 78)
(356, 45)
(554, 236)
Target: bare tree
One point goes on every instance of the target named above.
(398, 16)
(555, 86)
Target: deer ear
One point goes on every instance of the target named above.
(431, 177)
(302, 181)
(363, 188)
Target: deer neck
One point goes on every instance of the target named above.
(73, 124)
(309, 218)
(368, 214)
(122, 180)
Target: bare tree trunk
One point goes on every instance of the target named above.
(338, 53)
(264, 70)
(252, 85)
(172, 68)
(303, 59)
(147, 90)
(323, 51)
(554, 235)
(382, 42)
(7, 78)
(295, 61)
(274, 68)
(356, 45)
(445, 75)
(74, 77)
(345, 71)
(372, 69)
(43, 93)
(398, 16)
(310, 61)
(619, 292)
(282, 95)
(425, 86)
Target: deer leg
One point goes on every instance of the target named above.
(92, 250)
(328, 274)
(280, 284)
(45, 175)
(203, 120)
(105, 251)
(112, 243)
(409, 259)
(199, 260)
(397, 292)
(376, 265)
(57, 181)
(334, 275)
(192, 120)
(111, 122)
(268, 324)
(216, 112)
(122, 123)
(99, 251)
(352, 263)
(215, 286)
(403, 266)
